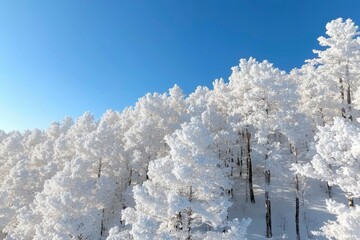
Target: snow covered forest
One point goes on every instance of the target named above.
(266, 154)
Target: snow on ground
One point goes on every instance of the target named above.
(313, 212)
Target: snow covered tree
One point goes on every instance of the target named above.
(347, 222)
(35, 165)
(198, 100)
(107, 149)
(185, 191)
(56, 129)
(318, 95)
(69, 206)
(12, 174)
(153, 117)
(15, 192)
(267, 103)
(338, 65)
(337, 162)
(337, 157)
(11, 150)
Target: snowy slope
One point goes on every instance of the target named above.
(313, 212)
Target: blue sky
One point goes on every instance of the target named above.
(62, 58)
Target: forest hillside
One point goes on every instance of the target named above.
(264, 154)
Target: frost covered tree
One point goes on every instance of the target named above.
(198, 100)
(36, 163)
(97, 145)
(337, 162)
(318, 97)
(106, 148)
(347, 222)
(15, 192)
(185, 192)
(69, 205)
(267, 102)
(240, 86)
(224, 144)
(338, 65)
(328, 83)
(153, 117)
(11, 150)
(34, 220)
(217, 119)
(337, 157)
(14, 188)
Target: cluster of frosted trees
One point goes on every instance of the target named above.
(166, 168)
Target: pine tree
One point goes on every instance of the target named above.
(338, 64)
(185, 191)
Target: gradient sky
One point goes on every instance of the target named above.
(62, 58)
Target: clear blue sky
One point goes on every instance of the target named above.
(66, 57)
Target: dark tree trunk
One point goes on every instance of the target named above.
(100, 166)
(249, 164)
(102, 228)
(268, 205)
(147, 167)
(342, 95)
(131, 172)
(240, 160)
(351, 202)
(348, 92)
(297, 197)
(349, 102)
(268, 217)
(322, 117)
(329, 190)
(189, 215)
(179, 223)
(297, 209)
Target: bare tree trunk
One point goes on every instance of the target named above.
(99, 170)
(342, 95)
(147, 168)
(297, 208)
(348, 92)
(102, 228)
(351, 201)
(329, 188)
(349, 102)
(268, 205)
(297, 197)
(189, 215)
(131, 172)
(240, 160)
(249, 164)
(267, 197)
(179, 224)
(247, 167)
(322, 117)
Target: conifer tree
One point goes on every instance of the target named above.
(185, 191)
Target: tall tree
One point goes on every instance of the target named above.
(339, 63)
(185, 191)
(267, 102)
(337, 146)
(153, 117)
